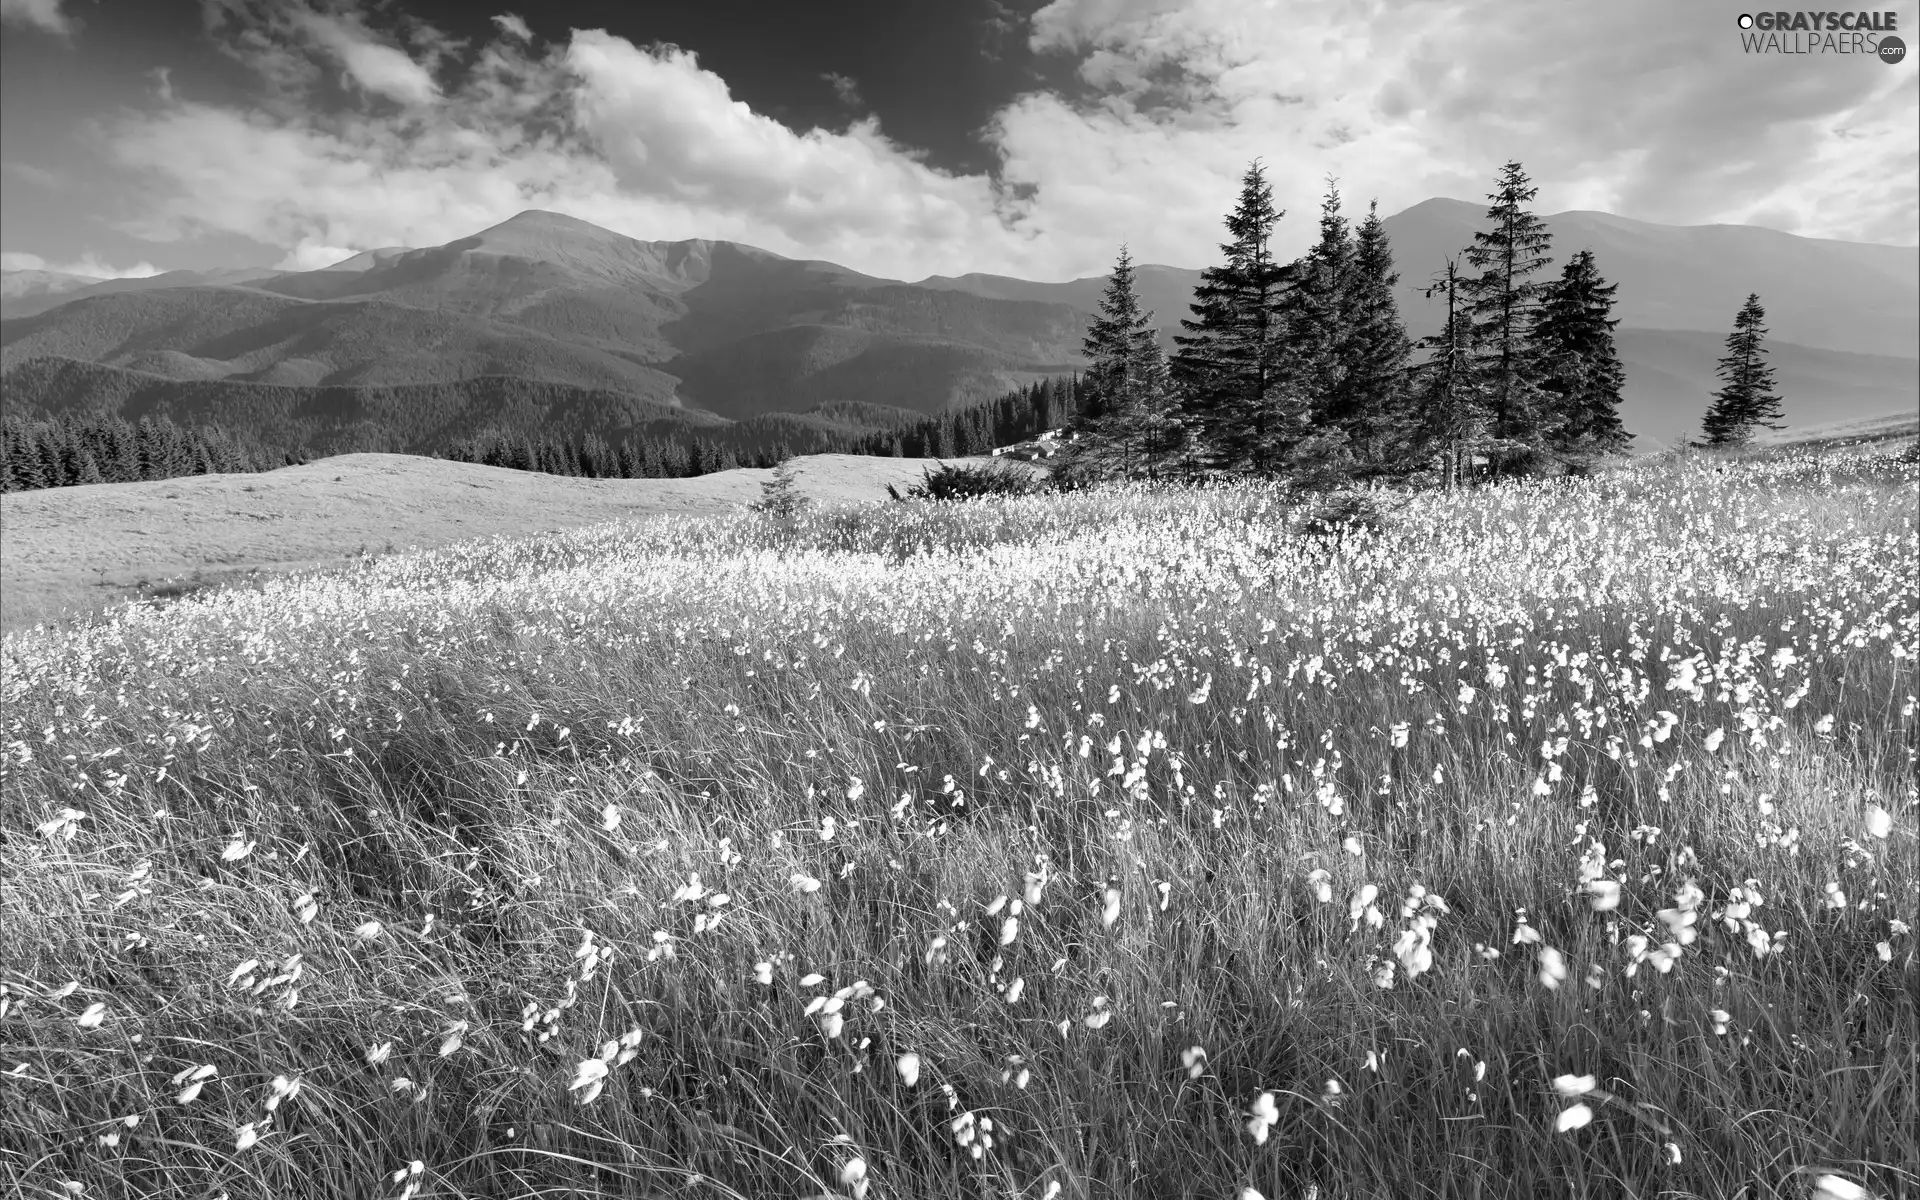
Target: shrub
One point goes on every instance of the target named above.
(949, 482)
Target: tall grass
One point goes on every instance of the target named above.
(1119, 844)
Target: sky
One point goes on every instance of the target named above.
(906, 138)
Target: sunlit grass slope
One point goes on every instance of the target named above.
(1554, 839)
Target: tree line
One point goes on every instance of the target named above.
(975, 429)
(1019, 415)
(592, 456)
(71, 450)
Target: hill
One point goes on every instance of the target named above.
(74, 550)
(1147, 844)
(741, 333)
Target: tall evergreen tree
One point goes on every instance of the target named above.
(1118, 333)
(1451, 398)
(1746, 400)
(1128, 427)
(1245, 413)
(1376, 351)
(1579, 369)
(1502, 301)
(1319, 310)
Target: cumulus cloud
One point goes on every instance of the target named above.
(87, 265)
(45, 15)
(381, 69)
(1641, 108)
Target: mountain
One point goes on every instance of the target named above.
(25, 293)
(711, 325)
(719, 331)
(29, 287)
(246, 334)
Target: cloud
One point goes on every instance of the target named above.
(310, 256)
(379, 68)
(38, 14)
(845, 88)
(1640, 107)
(642, 140)
(39, 176)
(87, 266)
(1646, 108)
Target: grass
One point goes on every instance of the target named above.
(1049, 847)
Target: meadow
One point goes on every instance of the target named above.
(1556, 838)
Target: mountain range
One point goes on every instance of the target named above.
(615, 332)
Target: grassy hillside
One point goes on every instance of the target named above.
(1547, 838)
(72, 551)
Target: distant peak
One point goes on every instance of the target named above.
(541, 218)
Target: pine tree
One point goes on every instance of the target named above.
(1318, 308)
(23, 459)
(46, 451)
(1451, 393)
(1128, 426)
(1579, 369)
(1503, 300)
(780, 495)
(1746, 400)
(1376, 350)
(1245, 414)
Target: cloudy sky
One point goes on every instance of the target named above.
(905, 137)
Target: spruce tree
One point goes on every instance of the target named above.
(780, 495)
(1245, 414)
(1319, 308)
(1579, 369)
(1452, 398)
(1128, 427)
(1376, 351)
(1746, 400)
(1502, 302)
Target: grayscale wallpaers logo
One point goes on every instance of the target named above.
(1869, 34)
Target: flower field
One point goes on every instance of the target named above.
(1557, 838)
